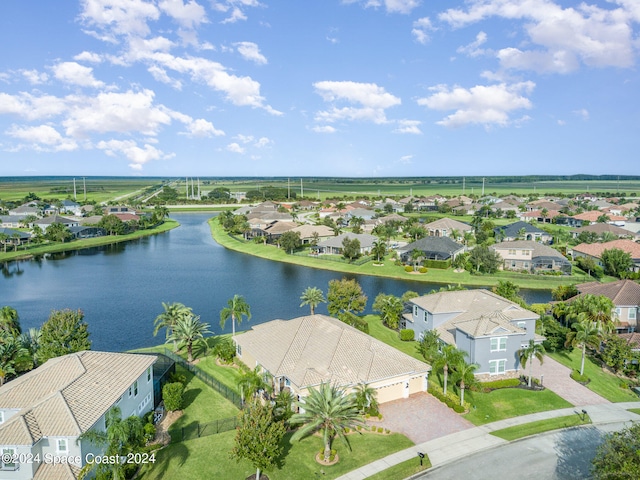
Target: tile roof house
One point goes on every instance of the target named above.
(511, 232)
(444, 226)
(595, 250)
(333, 245)
(600, 228)
(625, 295)
(433, 248)
(45, 222)
(592, 217)
(306, 232)
(306, 351)
(490, 328)
(44, 412)
(531, 256)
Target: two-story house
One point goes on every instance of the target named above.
(488, 327)
(44, 412)
(531, 256)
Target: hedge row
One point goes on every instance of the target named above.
(450, 399)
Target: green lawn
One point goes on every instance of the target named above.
(402, 470)
(227, 375)
(208, 458)
(390, 337)
(201, 403)
(389, 269)
(635, 410)
(602, 382)
(510, 402)
(533, 428)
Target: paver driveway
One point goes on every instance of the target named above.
(421, 417)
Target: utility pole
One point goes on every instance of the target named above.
(186, 183)
(74, 189)
(84, 181)
(483, 186)
(288, 189)
(301, 189)
(463, 180)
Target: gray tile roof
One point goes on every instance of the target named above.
(67, 395)
(313, 349)
(539, 250)
(621, 293)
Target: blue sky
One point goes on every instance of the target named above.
(319, 87)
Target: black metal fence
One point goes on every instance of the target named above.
(198, 430)
(223, 390)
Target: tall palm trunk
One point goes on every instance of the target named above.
(584, 351)
(446, 375)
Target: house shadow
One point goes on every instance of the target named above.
(175, 453)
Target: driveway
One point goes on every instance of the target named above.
(421, 417)
(557, 379)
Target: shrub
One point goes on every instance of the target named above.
(225, 350)
(178, 378)
(380, 429)
(172, 394)
(408, 268)
(497, 384)
(423, 270)
(575, 374)
(149, 431)
(451, 399)
(406, 334)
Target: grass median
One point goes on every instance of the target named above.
(541, 426)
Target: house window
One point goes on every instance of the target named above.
(618, 312)
(149, 374)
(415, 310)
(8, 455)
(522, 325)
(512, 252)
(61, 445)
(135, 388)
(497, 367)
(632, 316)
(130, 391)
(238, 350)
(499, 344)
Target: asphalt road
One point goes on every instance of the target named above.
(559, 455)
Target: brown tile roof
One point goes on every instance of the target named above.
(621, 293)
(51, 471)
(593, 215)
(449, 224)
(306, 231)
(313, 349)
(600, 228)
(596, 249)
(633, 339)
(67, 395)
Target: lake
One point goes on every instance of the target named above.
(121, 287)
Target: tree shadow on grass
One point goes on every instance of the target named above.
(175, 453)
(189, 396)
(576, 447)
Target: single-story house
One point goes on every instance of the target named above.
(30, 208)
(45, 222)
(444, 226)
(14, 221)
(592, 216)
(521, 231)
(602, 228)
(595, 250)
(87, 231)
(490, 328)
(531, 256)
(433, 248)
(307, 232)
(306, 351)
(14, 237)
(333, 245)
(45, 411)
(625, 295)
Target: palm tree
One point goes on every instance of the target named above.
(449, 355)
(167, 319)
(366, 397)
(235, 309)
(464, 375)
(416, 257)
(31, 342)
(379, 248)
(10, 320)
(252, 382)
(586, 332)
(11, 352)
(330, 410)
(189, 331)
(313, 297)
(528, 353)
(593, 308)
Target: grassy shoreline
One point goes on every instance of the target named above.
(389, 269)
(86, 243)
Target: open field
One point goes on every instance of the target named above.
(103, 189)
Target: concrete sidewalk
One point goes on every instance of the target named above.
(451, 447)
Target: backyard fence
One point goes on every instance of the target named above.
(198, 430)
(223, 390)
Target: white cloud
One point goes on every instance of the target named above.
(90, 57)
(42, 138)
(483, 104)
(31, 107)
(409, 126)
(119, 17)
(244, 138)
(188, 15)
(473, 49)
(582, 113)
(161, 75)
(421, 29)
(235, 148)
(391, 6)
(263, 142)
(34, 77)
(406, 159)
(324, 129)
(372, 101)
(562, 37)
(250, 51)
(76, 74)
(130, 149)
(116, 112)
(202, 128)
